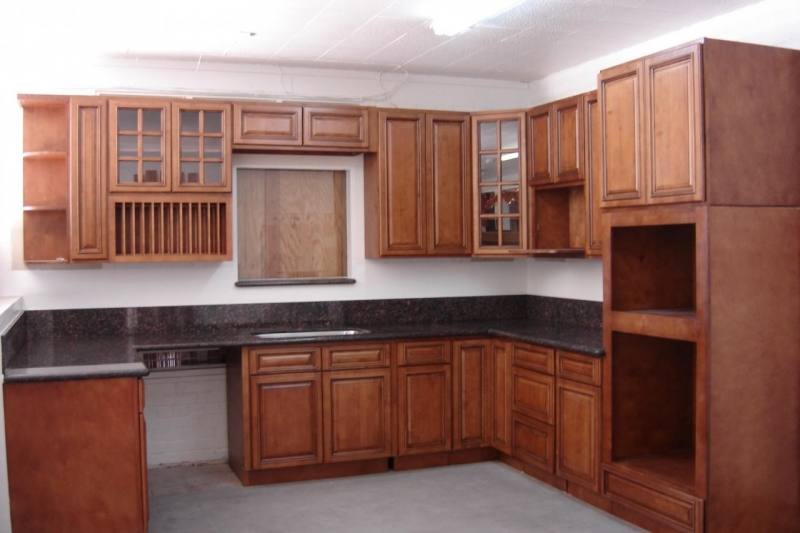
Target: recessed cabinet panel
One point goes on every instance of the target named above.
(620, 109)
(139, 145)
(424, 409)
(539, 126)
(594, 219)
(471, 422)
(673, 150)
(578, 428)
(278, 125)
(533, 442)
(346, 127)
(567, 139)
(533, 394)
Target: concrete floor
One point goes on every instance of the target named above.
(481, 497)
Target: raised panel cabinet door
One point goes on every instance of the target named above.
(540, 135)
(593, 134)
(88, 209)
(336, 126)
(620, 95)
(578, 433)
(501, 397)
(448, 184)
(533, 394)
(402, 183)
(267, 124)
(568, 141)
(424, 409)
(471, 416)
(201, 147)
(138, 145)
(286, 420)
(357, 414)
(673, 133)
(533, 442)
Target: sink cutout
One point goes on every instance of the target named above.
(311, 334)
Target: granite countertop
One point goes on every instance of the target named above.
(51, 358)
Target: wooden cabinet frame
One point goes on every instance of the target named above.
(226, 140)
(114, 105)
(277, 124)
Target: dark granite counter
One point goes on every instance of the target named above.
(52, 358)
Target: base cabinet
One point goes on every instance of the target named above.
(471, 398)
(578, 433)
(286, 419)
(357, 414)
(424, 409)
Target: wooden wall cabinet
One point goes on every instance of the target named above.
(499, 184)
(201, 147)
(424, 409)
(336, 126)
(593, 134)
(556, 137)
(88, 212)
(472, 394)
(139, 145)
(267, 124)
(417, 186)
(76, 455)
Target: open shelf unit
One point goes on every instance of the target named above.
(45, 139)
(558, 220)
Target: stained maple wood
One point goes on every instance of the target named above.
(149, 227)
(88, 179)
(354, 356)
(577, 367)
(532, 357)
(75, 455)
(501, 396)
(568, 140)
(448, 195)
(424, 409)
(456, 457)
(558, 219)
(426, 352)
(540, 137)
(225, 137)
(281, 359)
(267, 124)
(578, 433)
(291, 224)
(338, 126)
(471, 393)
(593, 191)
(286, 418)
(533, 394)
(45, 236)
(357, 414)
(139, 105)
(533, 442)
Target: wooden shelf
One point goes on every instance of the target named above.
(677, 324)
(559, 252)
(44, 208)
(676, 468)
(44, 154)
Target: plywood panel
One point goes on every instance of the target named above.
(292, 224)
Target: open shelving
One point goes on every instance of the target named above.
(45, 140)
(558, 220)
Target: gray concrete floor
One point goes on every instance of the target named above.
(481, 498)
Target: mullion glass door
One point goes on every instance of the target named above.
(202, 148)
(138, 146)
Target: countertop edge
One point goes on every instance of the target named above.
(76, 372)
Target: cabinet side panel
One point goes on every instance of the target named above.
(752, 116)
(754, 394)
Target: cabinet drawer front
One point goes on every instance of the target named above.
(335, 126)
(533, 394)
(284, 359)
(534, 358)
(267, 124)
(684, 513)
(533, 442)
(580, 368)
(353, 356)
(423, 353)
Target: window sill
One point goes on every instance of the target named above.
(276, 282)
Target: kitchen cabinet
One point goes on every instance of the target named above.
(471, 393)
(357, 414)
(286, 412)
(499, 184)
(88, 212)
(424, 409)
(336, 126)
(652, 130)
(201, 146)
(533, 442)
(593, 134)
(501, 396)
(417, 199)
(555, 134)
(76, 455)
(139, 145)
(578, 426)
(267, 124)
(533, 394)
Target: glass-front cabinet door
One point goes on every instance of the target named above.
(138, 145)
(201, 146)
(499, 183)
